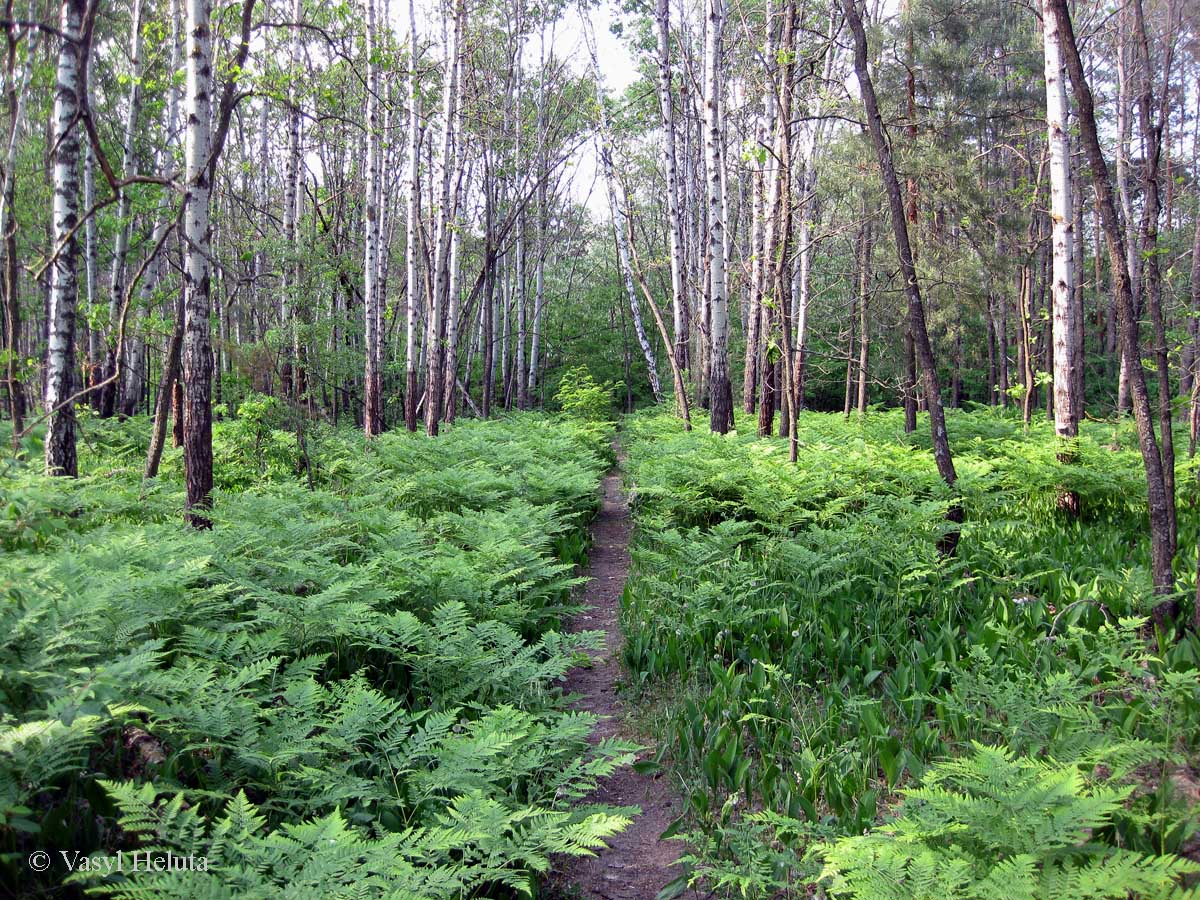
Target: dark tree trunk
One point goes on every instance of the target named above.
(916, 310)
(168, 390)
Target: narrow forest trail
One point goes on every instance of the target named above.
(637, 865)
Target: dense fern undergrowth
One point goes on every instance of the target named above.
(348, 687)
(854, 716)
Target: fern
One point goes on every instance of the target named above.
(347, 691)
(994, 825)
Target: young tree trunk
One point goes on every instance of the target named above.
(18, 90)
(1025, 299)
(993, 368)
(166, 394)
(720, 391)
(679, 305)
(292, 374)
(373, 368)
(1124, 128)
(782, 216)
(864, 336)
(453, 312)
(436, 319)
(109, 393)
(1161, 540)
(616, 203)
(849, 387)
(410, 250)
(1152, 141)
(758, 319)
(96, 344)
(916, 309)
(60, 352)
(1195, 403)
(153, 272)
(672, 350)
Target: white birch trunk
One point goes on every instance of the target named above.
(60, 352)
(414, 195)
(616, 203)
(292, 174)
(519, 373)
(124, 222)
(436, 326)
(136, 373)
(721, 399)
(197, 343)
(670, 166)
(97, 356)
(372, 374)
(1065, 324)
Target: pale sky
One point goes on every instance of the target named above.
(617, 65)
(619, 69)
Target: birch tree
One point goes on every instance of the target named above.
(17, 77)
(373, 346)
(616, 205)
(60, 351)
(202, 150)
(435, 320)
(666, 105)
(1162, 541)
(197, 343)
(109, 394)
(720, 391)
(1066, 324)
(410, 250)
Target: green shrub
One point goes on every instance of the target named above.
(581, 397)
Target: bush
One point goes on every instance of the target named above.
(582, 397)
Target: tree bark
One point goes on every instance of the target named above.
(864, 335)
(1152, 141)
(436, 319)
(197, 343)
(1066, 325)
(1161, 540)
(109, 394)
(616, 203)
(373, 343)
(916, 309)
(679, 305)
(720, 391)
(166, 393)
(410, 250)
(60, 353)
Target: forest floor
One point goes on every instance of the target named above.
(636, 865)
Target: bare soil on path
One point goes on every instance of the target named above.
(637, 865)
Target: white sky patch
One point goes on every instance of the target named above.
(618, 68)
(565, 38)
